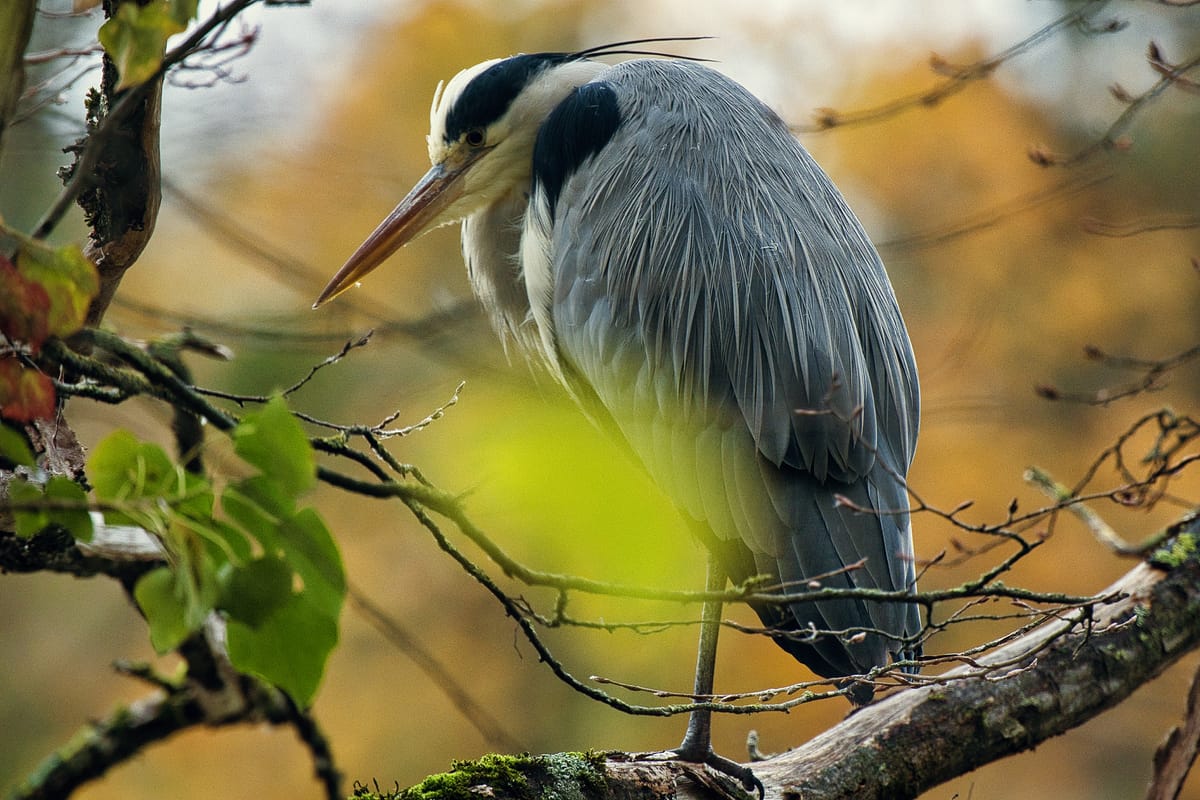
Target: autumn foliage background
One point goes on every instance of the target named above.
(1001, 268)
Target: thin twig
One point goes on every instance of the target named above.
(1114, 138)
(960, 77)
(1104, 533)
(145, 375)
(1153, 373)
(994, 215)
(350, 344)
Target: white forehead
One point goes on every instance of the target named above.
(446, 93)
(544, 90)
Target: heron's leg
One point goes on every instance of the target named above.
(697, 741)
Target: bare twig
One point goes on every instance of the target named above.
(270, 258)
(1115, 138)
(959, 77)
(1030, 608)
(221, 700)
(351, 344)
(994, 215)
(1103, 532)
(1159, 64)
(1153, 372)
(974, 722)
(214, 59)
(290, 330)
(911, 741)
(72, 53)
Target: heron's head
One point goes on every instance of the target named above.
(483, 126)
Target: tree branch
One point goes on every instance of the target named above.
(915, 740)
(212, 695)
(1067, 672)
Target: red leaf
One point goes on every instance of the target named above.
(25, 394)
(69, 279)
(24, 307)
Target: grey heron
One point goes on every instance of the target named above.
(653, 235)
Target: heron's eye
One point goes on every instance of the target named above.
(475, 137)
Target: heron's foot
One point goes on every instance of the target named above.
(728, 767)
(752, 748)
(860, 693)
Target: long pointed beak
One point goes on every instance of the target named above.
(433, 194)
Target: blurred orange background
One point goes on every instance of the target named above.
(326, 132)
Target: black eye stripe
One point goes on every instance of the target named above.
(489, 94)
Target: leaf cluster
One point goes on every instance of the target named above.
(247, 549)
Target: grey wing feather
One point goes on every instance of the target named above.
(724, 305)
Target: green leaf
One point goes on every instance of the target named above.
(283, 605)
(193, 496)
(15, 449)
(260, 506)
(254, 592)
(39, 514)
(121, 468)
(288, 649)
(257, 501)
(77, 521)
(272, 440)
(127, 472)
(182, 11)
(166, 611)
(226, 543)
(313, 554)
(135, 38)
(32, 520)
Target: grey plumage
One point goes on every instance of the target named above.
(654, 235)
(710, 283)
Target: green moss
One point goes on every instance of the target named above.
(563, 776)
(504, 774)
(572, 775)
(1175, 552)
(1140, 615)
